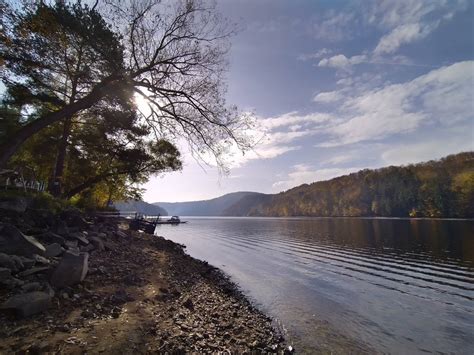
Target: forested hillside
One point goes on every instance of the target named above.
(443, 188)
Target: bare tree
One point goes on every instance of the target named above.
(174, 57)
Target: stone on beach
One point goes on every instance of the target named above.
(122, 234)
(24, 262)
(97, 243)
(5, 273)
(28, 304)
(71, 270)
(31, 286)
(53, 250)
(50, 237)
(13, 241)
(33, 270)
(80, 237)
(8, 262)
(15, 204)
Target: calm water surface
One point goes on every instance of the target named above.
(398, 286)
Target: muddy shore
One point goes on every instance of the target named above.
(141, 294)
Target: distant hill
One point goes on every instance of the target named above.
(246, 205)
(219, 206)
(442, 188)
(141, 207)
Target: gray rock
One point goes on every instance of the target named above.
(71, 243)
(5, 273)
(8, 262)
(71, 270)
(41, 260)
(33, 270)
(74, 250)
(53, 250)
(31, 286)
(74, 219)
(97, 243)
(80, 237)
(50, 237)
(16, 204)
(24, 262)
(122, 234)
(87, 248)
(13, 241)
(188, 303)
(11, 283)
(61, 227)
(27, 304)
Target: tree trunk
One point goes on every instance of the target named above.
(109, 198)
(56, 183)
(14, 143)
(88, 183)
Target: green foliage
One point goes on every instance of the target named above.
(55, 55)
(443, 188)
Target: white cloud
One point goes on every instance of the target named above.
(328, 97)
(409, 20)
(341, 61)
(319, 54)
(440, 98)
(276, 136)
(403, 21)
(339, 159)
(345, 81)
(391, 14)
(305, 174)
(443, 96)
(403, 34)
(294, 118)
(333, 26)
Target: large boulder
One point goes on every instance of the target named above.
(61, 227)
(27, 304)
(97, 243)
(15, 204)
(23, 262)
(8, 262)
(33, 270)
(13, 241)
(50, 237)
(71, 270)
(79, 236)
(5, 273)
(53, 250)
(121, 234)
(74, 219)
(40, 218)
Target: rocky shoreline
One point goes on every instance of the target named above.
(76, 284)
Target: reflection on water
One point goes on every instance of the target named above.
(397, 285)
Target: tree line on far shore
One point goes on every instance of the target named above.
(441, 188)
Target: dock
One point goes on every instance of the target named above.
(149, 223)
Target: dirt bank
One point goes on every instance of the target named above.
(142, 294)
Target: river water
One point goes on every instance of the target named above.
(339, 284)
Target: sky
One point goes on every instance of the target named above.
(339, 86)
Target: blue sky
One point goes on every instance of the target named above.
(338, 86)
